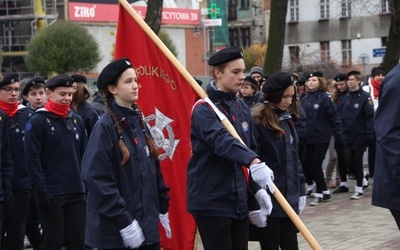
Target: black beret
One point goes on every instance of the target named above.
(277, 81)
(62, 80)
(377, 71)
(340, 77)
(112, 71)
(225, 55)
(353, 72)
(9, 78)
(316, 73)
(253, 82)
(79, 78)
(302, 81)
(32, 82)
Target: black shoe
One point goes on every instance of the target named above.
(341, 189)
(310, 193)
(326, 197)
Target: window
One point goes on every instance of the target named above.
(294, 54)
(240, 37)
(294, 10)
(384, 41)
(245, 35)
(346, 52)
(324, 4)
(325, 53)
(346, 8)
(234, 37)
(232, 10)
(385, 6)
(244, 4)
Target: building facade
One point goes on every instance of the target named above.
(350, 33)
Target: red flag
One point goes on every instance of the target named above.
(166, 100)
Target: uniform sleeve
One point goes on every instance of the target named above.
(387, 123)
(7, 167)
(163, 190)
(98, 165)
(210, 130)
(35, 131)
(368, 114)
(334, 119)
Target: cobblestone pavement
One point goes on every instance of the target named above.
(347, 224)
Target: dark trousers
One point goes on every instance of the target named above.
(15, 220)
(280, 232)
(371, 156)
(223, 233)
(65, 224)
(396, 215)
(148, 247)
(354, 157)
(313, 156)
(32, 225)
(2, 215)
(339, 147)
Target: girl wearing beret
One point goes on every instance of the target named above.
(322, 119)
(277, 145)
(126, 193)
(358, 129)
(217, 179)
(80, 105)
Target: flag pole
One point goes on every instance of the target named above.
(225, 122)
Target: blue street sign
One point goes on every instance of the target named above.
(378, 52)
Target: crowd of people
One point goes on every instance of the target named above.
(83, 172)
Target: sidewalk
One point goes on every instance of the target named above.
(347, 224)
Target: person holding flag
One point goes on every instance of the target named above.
(217, 184)
(126, 193)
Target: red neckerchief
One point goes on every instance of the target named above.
(376, 86)
(9, 108)
(57, 108)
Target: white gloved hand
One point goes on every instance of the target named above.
(257, 219)
(165, 223)
(132, 235)
(264, 200)
(263, 176)
(302, 203)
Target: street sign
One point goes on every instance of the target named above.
(212, 22)
(380, 52)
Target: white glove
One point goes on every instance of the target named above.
(257, 219)
(165, 223)
(132, 235)
(263, 176)
(302, 203)
(264, 200)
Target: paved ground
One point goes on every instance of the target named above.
(347, 224)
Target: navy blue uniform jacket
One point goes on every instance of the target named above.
(357, 117)
(386, 191)
(216, 185)
(281, 155)
(89, 116)
(21, 179)
(54, 148)
(322, 118)
(6, 164)
(116, 195)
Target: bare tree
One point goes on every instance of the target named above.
(153, 14)
(276, 36)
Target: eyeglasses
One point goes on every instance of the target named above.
(10, 90)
